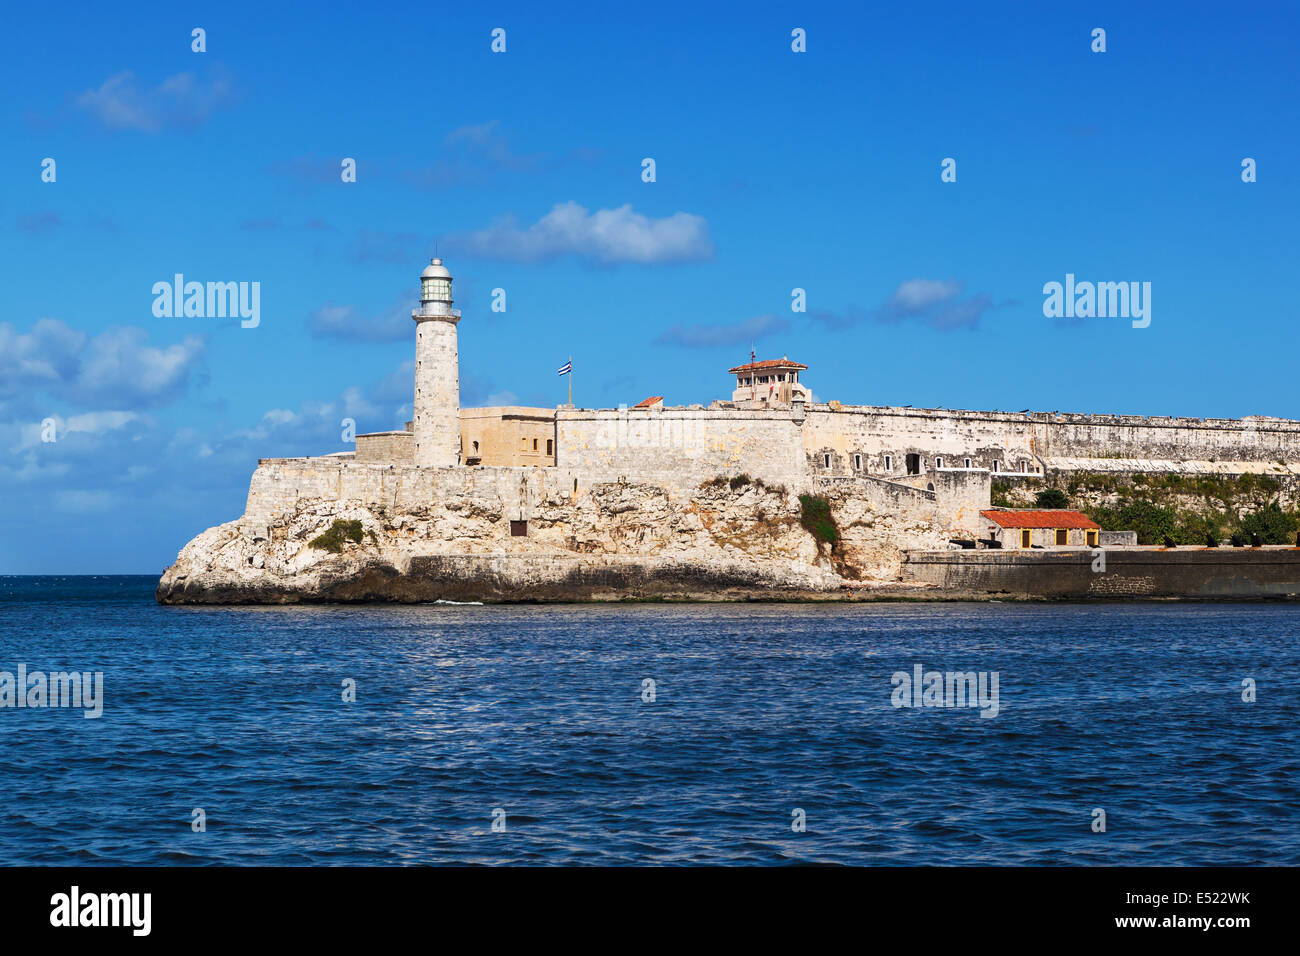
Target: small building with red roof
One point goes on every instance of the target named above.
(1040, 528)
(654, 401)
(770, 382)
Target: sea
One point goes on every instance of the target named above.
(755, 734)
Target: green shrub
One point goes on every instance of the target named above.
(338, 534)
(815, 516)
(1271, 523)
(1000, 495)
(1150, 521)
(1052, 498)
(1190, 528)
(735, 482)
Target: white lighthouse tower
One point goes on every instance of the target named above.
(437, 372)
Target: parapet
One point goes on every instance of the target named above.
(380, 447)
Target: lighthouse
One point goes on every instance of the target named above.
(437, 372)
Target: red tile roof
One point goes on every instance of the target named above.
(1041, 519)
(770, 363)
(647, 402)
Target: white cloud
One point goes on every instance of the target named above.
(938, 303)
(605, 236)
(118, 359)
(347, 322)
(90, 423)
(737, 333)
(917, 295)
(78, 501)
(181, 100)
(117, 366)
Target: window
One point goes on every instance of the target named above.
(995, 464)
(476, 446)
(534, 444)
(889, 463)
(857, 462)
(1024, 466)
(550, 443)
(967, 462)
(1091, 538)
(518, 529)
(913, 464)
(938, 463)
(826, 460)
(1026, 538)
(1062, 537)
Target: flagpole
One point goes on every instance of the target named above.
(570, 381)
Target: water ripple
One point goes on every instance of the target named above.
(759, 711)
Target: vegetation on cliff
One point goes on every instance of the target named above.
(337, 535)
(1052, 498)
(737, 482)
(815, 516)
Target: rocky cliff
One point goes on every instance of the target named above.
(725, 539)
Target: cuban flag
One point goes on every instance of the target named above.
(566, 368)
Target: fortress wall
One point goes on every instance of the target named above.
(386, 447)
(960, 496)
(279, 483)
(877, 432)
(1171, 438)
(953, 506)
(680, 445)
(888, 496)
(985, 436)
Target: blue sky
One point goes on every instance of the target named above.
(774, 170)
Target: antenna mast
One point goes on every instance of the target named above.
(753, 372)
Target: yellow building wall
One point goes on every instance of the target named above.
(508, 435)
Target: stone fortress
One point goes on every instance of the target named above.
(519, 503)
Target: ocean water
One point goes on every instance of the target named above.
(759, 711)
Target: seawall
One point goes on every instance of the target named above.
(1153, 573)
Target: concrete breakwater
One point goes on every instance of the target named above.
(1128, 573)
